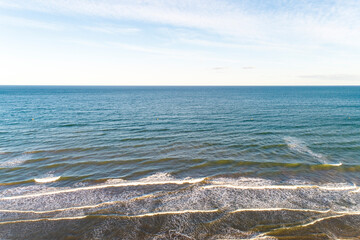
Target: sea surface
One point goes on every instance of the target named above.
(179, 162)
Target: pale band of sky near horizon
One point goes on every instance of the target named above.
(179, 42)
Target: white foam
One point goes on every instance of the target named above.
(157, 177)
(142, 197)
(178, 212)
(316, 221)
(174, 212)
(43, 219)
(114, 181)
(47, 179)
(263, 235)
(72, 208)
(322, 219)
(259, 184)
(356, 191)
(161, 176)
(182, 211)
(336, 164)
(242, 181)
(298, 145)
(121, 184)
(288, 187)
(280, 209)
(57, 210)
(22, 190)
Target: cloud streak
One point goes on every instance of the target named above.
(323, 22)
(113, 29)
(28, 23)
(285, 39)
(333, 77)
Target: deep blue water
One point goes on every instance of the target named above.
(257, 135)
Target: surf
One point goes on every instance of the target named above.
(47, 179)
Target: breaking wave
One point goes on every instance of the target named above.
(46, 179)
(300, 146)
(194, 207)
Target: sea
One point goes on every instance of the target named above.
(86, 162)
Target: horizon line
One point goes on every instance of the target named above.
(96, 85)
(178, 86)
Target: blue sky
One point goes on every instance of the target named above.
(179, 42)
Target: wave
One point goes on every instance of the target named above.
(192, 211)
(335, 164)
(206, 183)
(332, 228)
(180, 211)
(122, 183)
(298, 145)
(3, 152)
(206, 205)
(160, 186)
(289, 165)
(67, 150)
(46, 179)
(211, 224)
(16, 161)
(209, 184)
(285, 187)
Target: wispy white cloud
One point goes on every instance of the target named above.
(218, 68)
(301, 22)
(305, 40)
(304, 22)
(249, 45)
(171, 53)
(28, 23)
(167, 53)
(145, 49)
(113, 29)
(333, 77)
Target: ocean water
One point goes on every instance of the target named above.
(179, 162)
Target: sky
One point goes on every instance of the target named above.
(179, 42)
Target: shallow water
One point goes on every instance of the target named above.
(179, 162)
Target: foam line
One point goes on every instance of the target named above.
(42, 219)
(70, 208)
(131, 216)
(245, 210)
(46, 180)
(296, 210)
(322, 219)
(335, 164)
(94, 206)
(356, 191)
(298, 145)
(288, 187)
(55, 210)
(281, 209)
(173, 212)
(339, 214)
(126, 184)
(178, 212)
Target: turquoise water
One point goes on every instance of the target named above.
(185, 154)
